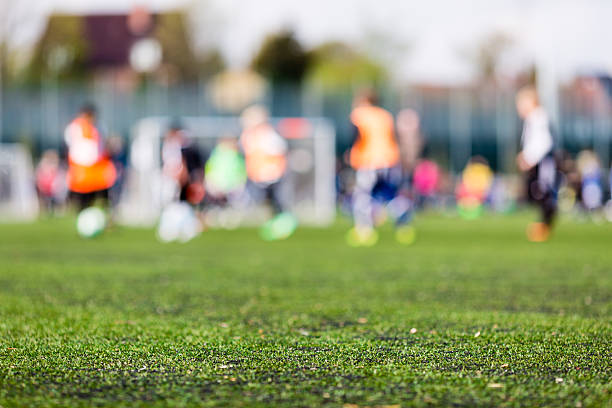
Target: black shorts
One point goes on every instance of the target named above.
(84, 200)
(542, 180)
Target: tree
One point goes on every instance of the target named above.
(172, 33)
(282, 59)
(12, 16)
(62, 51)
(211, 63)
(336, 64)
(486, 57)
(205, 21)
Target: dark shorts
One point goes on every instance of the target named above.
(542, 180)
(541, 187)
(382, 184)
(268, 192)
(84, 200)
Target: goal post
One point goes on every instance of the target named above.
(308, 187)
(18, 199)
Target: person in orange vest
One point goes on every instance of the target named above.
(265, 153)
(91, 173)
(375, 157)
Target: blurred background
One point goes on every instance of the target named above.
(455, 65)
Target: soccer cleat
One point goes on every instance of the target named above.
(538, 232)
(366, 237)
(405, 234)
(280, 227)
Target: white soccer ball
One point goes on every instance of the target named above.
(178, 222)
(91, 222)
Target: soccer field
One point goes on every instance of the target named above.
(472, 314)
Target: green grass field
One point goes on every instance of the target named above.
(472, 314)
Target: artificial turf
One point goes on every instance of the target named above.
(472, 314)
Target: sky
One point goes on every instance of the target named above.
(422, 41)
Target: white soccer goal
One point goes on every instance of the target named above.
(308, 187)
(18, 200)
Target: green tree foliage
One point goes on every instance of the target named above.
(14, 16)
(282, 59)
(487, 55)
(211, 63)
(172, 33)
(337, 65)
(62, 50)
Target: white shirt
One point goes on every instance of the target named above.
(172, 156)
(81, 150)
(536, 141)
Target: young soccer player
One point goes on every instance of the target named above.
(537, 161)
(182, 186)
(375, 156)
(183, 164)
(265, 153)
(50, 181)
(474, 187)
(90, 171)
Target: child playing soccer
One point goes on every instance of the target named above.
(537, 161)
(265, 153)
(375, 156)
(91, 173)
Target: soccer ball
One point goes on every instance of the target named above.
(178, 222)
(91, 222)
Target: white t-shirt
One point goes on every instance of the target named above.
(536, 141)
(172, 156)
(81, 150)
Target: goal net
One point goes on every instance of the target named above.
(18, 200)
(308, 187)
